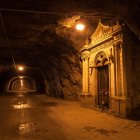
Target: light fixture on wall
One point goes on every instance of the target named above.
(80, 27)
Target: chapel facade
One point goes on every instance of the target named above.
(109, 81)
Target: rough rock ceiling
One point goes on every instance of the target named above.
(37, 38)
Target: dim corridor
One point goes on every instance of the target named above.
(38, 117)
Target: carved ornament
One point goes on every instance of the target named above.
(85, 55)
(102, 32)
(100, 57)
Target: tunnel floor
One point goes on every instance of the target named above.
(38, 117)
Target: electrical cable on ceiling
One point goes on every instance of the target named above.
(40, 12)
(30, 11)
(56, 13)
(8, 41)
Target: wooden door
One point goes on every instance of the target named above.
(103, 86)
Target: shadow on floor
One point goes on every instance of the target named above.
(49, 104)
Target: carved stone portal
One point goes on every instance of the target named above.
(103, 70)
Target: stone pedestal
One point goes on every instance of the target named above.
(121, 106)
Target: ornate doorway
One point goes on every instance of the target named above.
(103, 86)
(102, 80)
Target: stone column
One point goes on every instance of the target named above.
(121, 104)
(122, 73)
(85, 58)
(83, 76)
(117, 69)
(86, 98)
(86, 76)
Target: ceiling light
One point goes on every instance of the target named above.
(80, 26)
(20, 68)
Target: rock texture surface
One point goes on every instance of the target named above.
(35, 38)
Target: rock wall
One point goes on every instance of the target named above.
(61, 66)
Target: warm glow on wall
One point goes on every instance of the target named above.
(80, 27)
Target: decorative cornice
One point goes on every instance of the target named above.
(102, 35)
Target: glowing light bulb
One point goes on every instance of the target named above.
(80, 26)
(20, 68)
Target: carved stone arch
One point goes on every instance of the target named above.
(101, 57)
(105, 61)
(98, 63)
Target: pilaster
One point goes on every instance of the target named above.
(86, 98)
(85, 59)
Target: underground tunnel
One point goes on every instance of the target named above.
(29, 80)
(41, 36)
(21, 84)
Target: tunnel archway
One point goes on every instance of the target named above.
(32, 80)
(21, 84)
